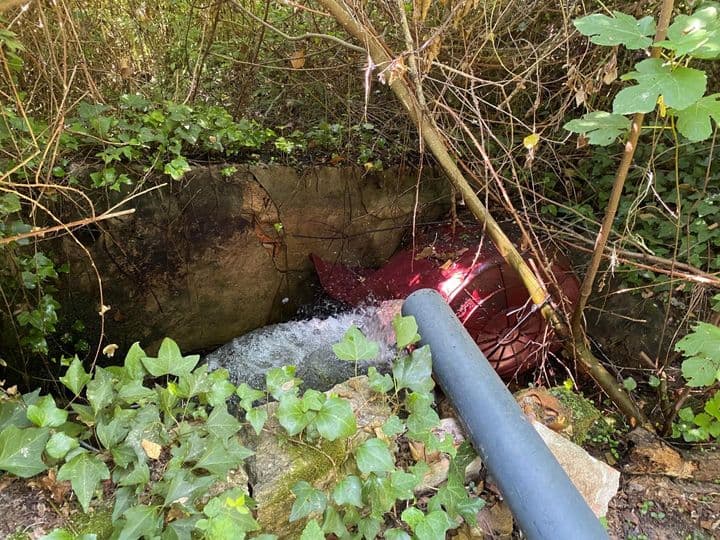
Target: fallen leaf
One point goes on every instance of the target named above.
(109, 350)
(531, 141)
(152, 449)
(297, 59)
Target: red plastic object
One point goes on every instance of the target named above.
(485, 293)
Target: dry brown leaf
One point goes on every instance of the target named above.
(297, 59)
(431, 52)
(447, 264)
(427, 251)
(152, 449)
(610, 70)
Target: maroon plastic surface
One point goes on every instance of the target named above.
(485, 293)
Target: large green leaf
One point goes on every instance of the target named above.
(140, 521)
(185, 487)
(312, 531)
(701, 348)
(406, 330)
(679, 86)
(697, 35)
(100, 390)
(222, 424)
(220, 458)
(133, 365)
(354, 346)
(293, 415)
(60, 444)
(170, 361)
(44, 413)
(348, 491)
(21, 450)
(84, 471)
(694, 121)
(374, 456)
(307, 500)
(620, 29)
(75, 377)
(335, 419)
(600, 127)
(414, 371)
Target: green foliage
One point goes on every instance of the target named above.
(620, 29)
(183, 424)
(701, 369)
(667, 81)
(355, 346)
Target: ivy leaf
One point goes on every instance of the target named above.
(393, 425)
(60, 444)
(257, 417)
(679, 86)
(133, 365)
(373, 456)
(220, 458)
(600, 127)
(222, 424)
(100, 390)
(312, 531)
(396, 534)
(185, 487)
(44, 413)
(431, 526)
(292, 415)
(170, 361)
(694, 121)
(620, 29)
(348, 491)
(248, 396)
(64, 534)
(379, 383)
(406, 330)
(177, 168)
(333, 523)
(354, 346)
(84, 471)
(335, 419)
(21, 450)
(281, 382)
(697, 35)
(140, 521)
(9, 203)
(75, 377)
(414, 371)
(307, 500)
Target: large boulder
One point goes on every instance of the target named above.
(211, 257)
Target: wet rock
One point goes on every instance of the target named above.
(595, 480)
(307, 345)
(279, 462)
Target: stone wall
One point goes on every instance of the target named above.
(211, 257)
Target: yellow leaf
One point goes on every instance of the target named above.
(662, 109)
(109, 350)
(531, 141)
(152, 449)
(297, 59)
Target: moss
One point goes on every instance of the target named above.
(318, 466)
(98, 522)
(584, 413)
(18, 536)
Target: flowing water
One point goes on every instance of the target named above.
(307, 344)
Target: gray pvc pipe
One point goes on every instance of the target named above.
(544, 501)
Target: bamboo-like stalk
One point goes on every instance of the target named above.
(382, 57)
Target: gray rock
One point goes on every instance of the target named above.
(307, 345)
